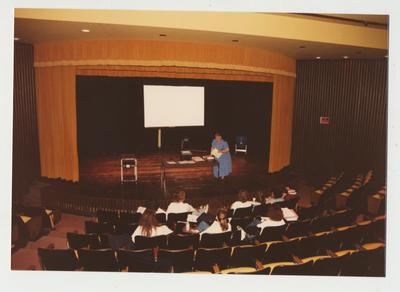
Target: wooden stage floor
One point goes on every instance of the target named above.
(101, 176)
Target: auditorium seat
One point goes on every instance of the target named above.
(322, 223)
(297, 228)
(78, 241)
(271, 233)
(376, 258)
(161, 218)
(242, 212)
(177, 261)
(176, 217)
(291, 203)
(125, 228)
(307, 213)
(242, 222)
(238, 271)
(129, 217)
(293, 269)
(259, 210)
(326, 265)
(58, 259)
(348, 236)
(278, 251)
(215, 240)
(143, 242)
(182, 241)
(136, 260)
(104, 216)
(99, 228)
(206, 258)
(98, 260)
(246, 255)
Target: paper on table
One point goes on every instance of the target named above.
(197, 159)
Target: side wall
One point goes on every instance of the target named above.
(26, 162)
(353, 94)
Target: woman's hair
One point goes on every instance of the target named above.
(222, 218)
(148, 222)
(275, 213)
(180, 196)
(217, 134)
(277, 192)
(243, 196)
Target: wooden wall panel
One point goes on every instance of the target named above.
(281, 124)
(162, 53)
(353, 93)
(58, 63)
(56, 107)
(26, 163)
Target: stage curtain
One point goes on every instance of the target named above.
(281, 122)
(56, 113)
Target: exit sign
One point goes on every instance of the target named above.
(324, 120)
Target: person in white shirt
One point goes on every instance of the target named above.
(274, 217)
(290, 191)
(149, 227)
(179, 205)
(243, 201)
(220, 225)
(275, 196)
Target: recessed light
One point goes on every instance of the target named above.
(85, 30)
(163, 35)
(235, 41)
(318, 57)
(345, 57)
(16, 39)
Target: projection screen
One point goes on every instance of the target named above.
(173, 106)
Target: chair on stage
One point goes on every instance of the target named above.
(241, 144)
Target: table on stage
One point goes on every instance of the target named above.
(189, 169)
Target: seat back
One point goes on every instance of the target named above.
(183, 241)
(175, 217)
(205, 258)
(125, 228)
(279, 251)
(58, 259)
(215, 240)
(136, 260)
(305, 247)
(129, 217)
(291, 203)
(143, 242)
(272, 233)
(98, 260)
(328, 266)
(161, 218)
(323, 223)
(99, 228)
(246, 255)
(297, 228)
(297, 269)
(242, 212)
(104, 216)
(259, 210)
(177, 261)
(77, 241)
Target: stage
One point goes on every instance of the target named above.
(101, 176)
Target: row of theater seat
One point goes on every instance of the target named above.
(365, 260)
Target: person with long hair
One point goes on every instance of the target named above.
(273, 217)
(220, 225)
(149, 226)
(224, 167)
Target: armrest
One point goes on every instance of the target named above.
(331, 253)
(259, 265)
(296, 259)
(285, 238)
(216, 269)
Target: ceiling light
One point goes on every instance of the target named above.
(163, 35)
(318, 57)
(85, 30)
(16, 39)
(235, 41)
(345, 57)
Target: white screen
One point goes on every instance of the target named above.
(173, 106)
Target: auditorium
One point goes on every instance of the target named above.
(240, 143)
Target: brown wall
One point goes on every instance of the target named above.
(26, 162)
(58, 63)
(353, 93)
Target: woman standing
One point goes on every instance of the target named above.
(221, 148)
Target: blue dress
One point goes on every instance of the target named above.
(224, 162)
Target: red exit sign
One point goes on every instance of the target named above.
(324, 120)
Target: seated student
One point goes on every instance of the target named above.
(220, 225)
(243, 201)
(273, 217)
(291, 192)
(149, 226)
(276, 195)
(150, 204)
(179, 205)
